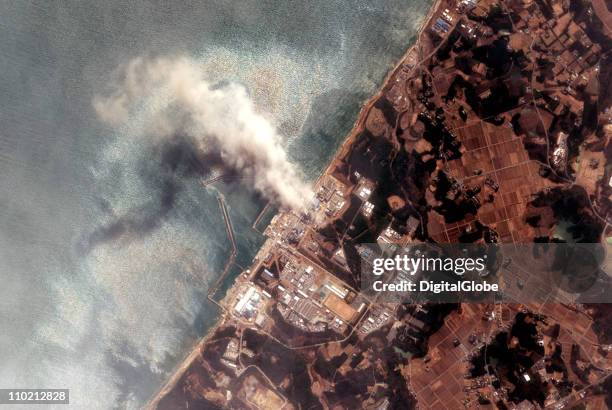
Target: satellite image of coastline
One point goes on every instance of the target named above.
(306, 205)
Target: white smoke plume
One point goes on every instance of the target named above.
(169, 96)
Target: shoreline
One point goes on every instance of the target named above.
(367, 105)
(358, 125)
(185, 363)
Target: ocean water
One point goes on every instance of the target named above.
(103, 279)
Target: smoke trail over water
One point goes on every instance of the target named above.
(169, 96)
